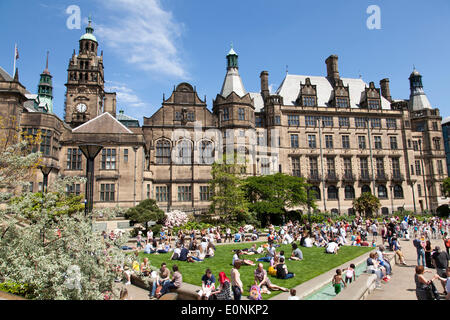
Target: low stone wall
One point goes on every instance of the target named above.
(359, 289)
(185, 292)
(362, 286)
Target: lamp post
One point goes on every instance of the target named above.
(90, 151)
(45, 172)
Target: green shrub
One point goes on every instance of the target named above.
(17, 289)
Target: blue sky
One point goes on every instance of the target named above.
(150, 46)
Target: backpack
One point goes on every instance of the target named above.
(255, 293)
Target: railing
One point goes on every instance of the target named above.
(348, 176)
(398, 177)
(332, 177)
(381, 177)
(314, 177)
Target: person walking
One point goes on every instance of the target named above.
(420, 248)
(440, 259)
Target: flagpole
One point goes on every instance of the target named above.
(15, 59)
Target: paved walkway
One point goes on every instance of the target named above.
(402, 285)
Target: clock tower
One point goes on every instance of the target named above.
(85, 92)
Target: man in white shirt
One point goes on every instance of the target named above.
(332, 248)
(308, 242)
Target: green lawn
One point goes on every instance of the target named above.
(315, 262)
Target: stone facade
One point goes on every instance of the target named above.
(344, 136)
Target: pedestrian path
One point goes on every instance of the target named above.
(402, 285)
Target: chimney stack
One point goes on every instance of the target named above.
(265, 84)
(332, 69)
(385, 90)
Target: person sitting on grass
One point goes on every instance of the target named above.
(199, 255)
(237, 237)
(332, 247)
(282, 271)
(176, 252)
(177, 281)
(208, 285)
(224, 292)
(263, 282)
(210, 251)
(236, 257)
(271, 253)
(149, 249)
(297, 254)
(338, 282)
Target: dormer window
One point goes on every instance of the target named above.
(308, 94)
(374, 104)
(309, 101)
(342, 102)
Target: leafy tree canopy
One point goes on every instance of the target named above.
(366, 204)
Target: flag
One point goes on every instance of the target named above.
(17, 53)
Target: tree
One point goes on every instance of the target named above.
(56, 256)
(175, 219)
(55, 202)
(144, 212)
(366, 204)
(447, 187)
(48, 246)
(228, 198)
(272, 195)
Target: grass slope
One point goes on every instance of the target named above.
(315, 262)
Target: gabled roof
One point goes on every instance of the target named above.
(290, 89)
(104, 123)
(258, 101)
(4, 76)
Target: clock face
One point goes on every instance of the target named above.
(81, 108)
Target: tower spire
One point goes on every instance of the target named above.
(46, 65)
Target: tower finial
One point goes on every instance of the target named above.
(46, 65)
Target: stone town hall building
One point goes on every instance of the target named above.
(343, 135)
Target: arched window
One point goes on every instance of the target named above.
(351, 212)
(163, 151)
(366, 189)
(384, 211)
(349, 192)
(382, 192)
(332, 193)
(184, 152)
(398, 192)
(314, 192)
(206, 152)
(335, 212)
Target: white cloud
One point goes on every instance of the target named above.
(126, 97)
(144, 34)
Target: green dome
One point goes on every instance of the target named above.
(88, 36)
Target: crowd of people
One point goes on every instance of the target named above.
(196, 246)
